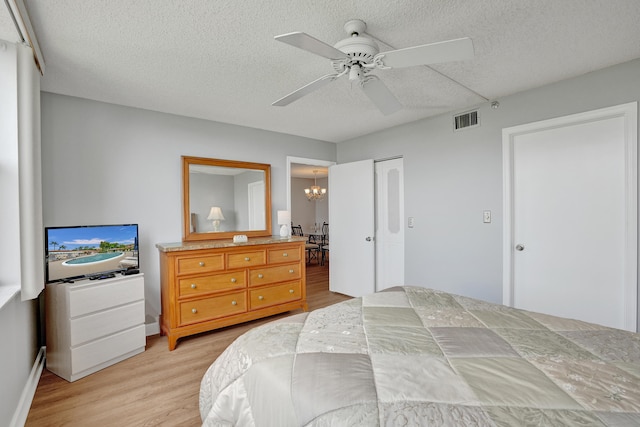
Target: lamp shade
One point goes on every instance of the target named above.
(284, 217)
(216, 213)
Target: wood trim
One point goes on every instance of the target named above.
(189, 236)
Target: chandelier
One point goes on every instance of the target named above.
(315, 192)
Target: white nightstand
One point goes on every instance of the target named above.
(92, 324)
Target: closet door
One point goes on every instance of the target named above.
(389, 223)
(571, 217)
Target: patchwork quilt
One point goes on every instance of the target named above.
(411, 356)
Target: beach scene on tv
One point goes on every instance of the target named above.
(91, 250)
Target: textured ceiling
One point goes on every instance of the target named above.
(218, 60)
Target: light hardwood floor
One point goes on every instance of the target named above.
(157, 387)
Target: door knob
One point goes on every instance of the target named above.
(368, 239)
(519, 247)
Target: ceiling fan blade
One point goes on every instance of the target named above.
(311, 44)
(305, 90)
(380, 95)
(433, 53)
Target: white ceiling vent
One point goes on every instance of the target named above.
(466, 120)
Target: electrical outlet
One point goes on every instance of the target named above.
(486, 217)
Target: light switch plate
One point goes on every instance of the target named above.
(410, 222)
(486, 217)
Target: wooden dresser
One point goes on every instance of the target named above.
(212, 284)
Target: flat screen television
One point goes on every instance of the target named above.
(88, 251)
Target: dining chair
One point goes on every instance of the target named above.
(296, 230)
(312, 248)
(324, 246)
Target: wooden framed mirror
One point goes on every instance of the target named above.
(222, 198)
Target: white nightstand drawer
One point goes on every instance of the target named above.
(96, 295)
(94, 353)
(97, 325)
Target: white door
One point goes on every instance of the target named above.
(351, 228)
(570, 209)
(257, 218)
(389, 238)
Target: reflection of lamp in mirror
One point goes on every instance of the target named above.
(284, 218)
(215, 214)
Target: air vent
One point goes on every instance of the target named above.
(465, 120)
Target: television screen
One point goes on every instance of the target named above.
(89, 250)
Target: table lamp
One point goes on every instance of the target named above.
(284, 218)
(215, 214)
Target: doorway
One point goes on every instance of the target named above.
(308, 214)
(570, 231)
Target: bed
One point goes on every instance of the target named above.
(412, 356)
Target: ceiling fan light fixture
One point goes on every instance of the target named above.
(355, 72)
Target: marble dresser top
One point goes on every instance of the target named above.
(226, 243)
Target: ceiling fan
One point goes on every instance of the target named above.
(357, 55)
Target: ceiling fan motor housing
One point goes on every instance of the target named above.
(360, 49)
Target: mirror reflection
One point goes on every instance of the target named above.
(224, 198)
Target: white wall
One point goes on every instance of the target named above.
(105, 164)
(322, 208)
(451, 177)
(304, 212)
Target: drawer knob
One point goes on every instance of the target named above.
(234, 302)
(201, 263)
(247, 258)
(193, 286)
(291, 271)
(260, 276)
(194, 310)
(285, 254)
(290, 291)
(233, 280)
(260, 297)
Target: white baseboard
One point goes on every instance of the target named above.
(152, 328)
(29, 391)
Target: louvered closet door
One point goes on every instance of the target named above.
(389, 242)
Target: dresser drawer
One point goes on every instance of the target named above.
(276, 294)
(215, 282)
(97, 352)
(280, 273)
(97, 325)
(280, 255)
(85, 298)
(211, 308)
(245, 259)
(200, 264)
